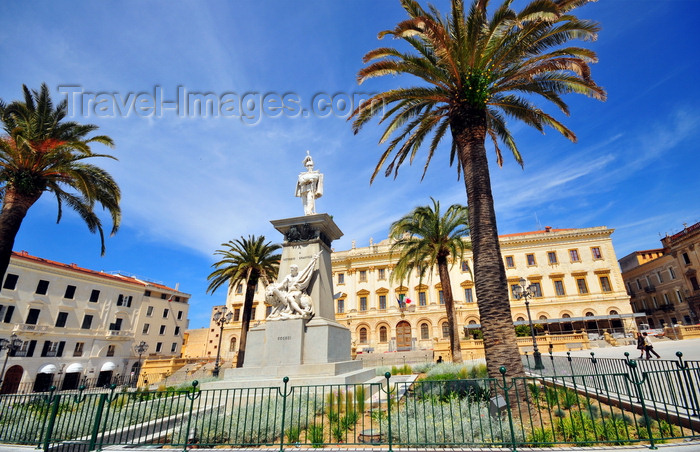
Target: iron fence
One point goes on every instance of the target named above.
(558, 408)
(668, 382)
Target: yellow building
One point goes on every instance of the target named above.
(573, 272)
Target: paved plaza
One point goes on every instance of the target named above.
(665, 347)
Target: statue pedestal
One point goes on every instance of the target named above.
(315, 351)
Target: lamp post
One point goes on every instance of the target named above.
(12, 345)
(520, 292)
(140, 348)
(221, 318)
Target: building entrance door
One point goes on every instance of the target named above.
(104, 379)
(71, 381)
(403, 336)
(13, 376)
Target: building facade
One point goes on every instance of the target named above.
(663, 282)
(573, 272)
(79, 326)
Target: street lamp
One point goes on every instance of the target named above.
(140, 348)
(221, 318)
(519, 292)
(12, 345)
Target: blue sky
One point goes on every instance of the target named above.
(191, 182)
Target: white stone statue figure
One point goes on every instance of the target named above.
(288, 297)
(309, 186)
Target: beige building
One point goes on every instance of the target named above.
(574, 273)
(663, 282)
(79, 326)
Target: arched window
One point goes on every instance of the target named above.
(382, 334)
(543, 317)
(445, 330)
(565, 316)
(589, 314)
(232, 347)
(520, 319)
(613, 312)
(424, 331)
(363, 335)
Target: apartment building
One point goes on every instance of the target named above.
(80, 326)
(663, 282)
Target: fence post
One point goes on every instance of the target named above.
(688, 382)
(388, 391)
(284, 395)
(506, 389)
(55, 402)
(108, 398)
(551, 358)
(48, 400)
(571, 364)
(96, 422)
(598, 375)
(192, 396)
(638, 386)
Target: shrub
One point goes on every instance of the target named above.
(424, 421)
(338, 433)
(422, 368)
(569, 398)
(535, 390)
(292, 434)
(315, 435)
(360, 396)
(349, 420)
(540, 437)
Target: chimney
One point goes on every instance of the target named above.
(547, 229)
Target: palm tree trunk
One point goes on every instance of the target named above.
(245, 317)
(500, 346)
(455, 347)
(14, 209)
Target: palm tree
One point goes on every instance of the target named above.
(41, 152)
(245, 260)
(427, 239)
(476, 70)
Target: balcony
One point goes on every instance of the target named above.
(667, 308)
(116, 334)
(29, 328)
(650, 289)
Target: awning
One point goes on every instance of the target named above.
(74, 368)
(569, 319)
(48, 369)
(108, 366)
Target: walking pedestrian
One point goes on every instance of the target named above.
(649, 347)
(640, 344)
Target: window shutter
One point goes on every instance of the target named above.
(30, 350)
(44, 350)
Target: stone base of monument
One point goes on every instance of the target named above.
(309, 353)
